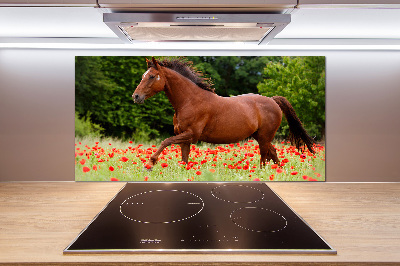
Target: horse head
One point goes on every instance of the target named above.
(153, 81)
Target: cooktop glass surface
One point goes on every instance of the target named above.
(198, 217)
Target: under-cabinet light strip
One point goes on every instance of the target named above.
(193, 46)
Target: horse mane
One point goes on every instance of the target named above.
(186, 69)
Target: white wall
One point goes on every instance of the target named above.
(37, 112)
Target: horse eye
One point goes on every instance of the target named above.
(151, 77)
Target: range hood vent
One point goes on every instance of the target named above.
(155, 27)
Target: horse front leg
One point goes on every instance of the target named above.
(183, 138)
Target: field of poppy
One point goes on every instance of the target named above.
(113, 160)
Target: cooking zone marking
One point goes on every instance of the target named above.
(218, 193)
(240, 218)
(140, 200)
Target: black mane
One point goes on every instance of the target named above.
(186, 69)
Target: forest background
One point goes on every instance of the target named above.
(104, 86)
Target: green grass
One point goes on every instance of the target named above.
(111, 159)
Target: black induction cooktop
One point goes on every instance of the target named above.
(198, 217)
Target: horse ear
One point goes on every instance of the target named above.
(148, 62)
(156, 65)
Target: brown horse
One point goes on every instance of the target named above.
(202, 115)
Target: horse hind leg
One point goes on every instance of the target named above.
(185, 147)
(273, 156)
(263, 145)
(267, 151)
(263, 154)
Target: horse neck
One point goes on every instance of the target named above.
(180, 90)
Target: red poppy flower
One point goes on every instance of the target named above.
(279, 170)
(274, 166)
(111, 168)
(305, 177)
(86, 169)
(82, 161)
(146, 178)
(114, 179)
(95, 167)
(294, 173)
(212, 170)
(147, 166)
(163, 165)
(271, 177)
(256, 179)
(198, 173)
(124, 159)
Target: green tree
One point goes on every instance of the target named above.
(302, 81)
(85, 127)
(233, 75)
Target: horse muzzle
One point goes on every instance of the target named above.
(138, 99)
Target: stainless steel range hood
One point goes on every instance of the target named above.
(258, 28)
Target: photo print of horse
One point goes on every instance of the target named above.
(232, 118)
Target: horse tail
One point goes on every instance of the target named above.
(298, 135)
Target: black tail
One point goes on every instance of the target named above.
(298, 135)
